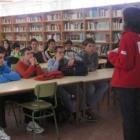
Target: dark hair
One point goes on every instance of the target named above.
(56, 48)
(33, 40)
(12, 60)
(68, 42)
(132, 19)
(87, 41)
(2, 50)
(8, 51)
(48, 42)
(15, 45)
(24, 50)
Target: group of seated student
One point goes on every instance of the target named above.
(29, 66)
(7, 75)
(90, 57)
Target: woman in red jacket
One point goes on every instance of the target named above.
(126, 76)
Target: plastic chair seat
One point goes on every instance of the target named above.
(34, 105)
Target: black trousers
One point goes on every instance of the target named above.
(20, 98)
(130, 110)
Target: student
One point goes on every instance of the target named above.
(54, 64)
(16, 50)
(68, 51)
(40, 56)
(6, 44)
(49, 48)
(28, 66)
(126, 77)
(90, 57)
(7, 75)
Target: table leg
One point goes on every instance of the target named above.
(77, 104)
(84, 102)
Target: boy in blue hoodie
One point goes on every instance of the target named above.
(7, 75)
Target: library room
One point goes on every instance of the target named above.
(68, 70)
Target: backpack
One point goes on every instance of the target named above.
(79, 69)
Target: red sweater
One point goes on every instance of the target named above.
(127, 61)
(28, 71)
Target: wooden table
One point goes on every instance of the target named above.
(23, 85)
(102, 62)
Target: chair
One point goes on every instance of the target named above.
(41, 91)
(13, 66)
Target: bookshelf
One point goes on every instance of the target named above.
(104, 24)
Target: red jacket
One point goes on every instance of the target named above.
(28, 71)
(127, 61)
(49, 76)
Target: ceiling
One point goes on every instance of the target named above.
(13, 1)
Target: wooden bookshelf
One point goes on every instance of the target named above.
(103, 23)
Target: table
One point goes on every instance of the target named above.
(102, 62)
(23, 85)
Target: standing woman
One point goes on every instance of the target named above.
(6, 44)
(40, 56)
(126, 76)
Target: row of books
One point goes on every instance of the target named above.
(38, 37)
(73, 26)
(116, 37)
(20, 20)
(76, 48)
(102, 49)
(20, 28)
(36, 28)
(22, 45)
(117, 25)
(34, 19)
(53, 17)
(70, 16)
(7, 20)
(53, 27)
(95, 13)
(99, 37)
(21, 37)
(104, 25)
(7, 36)
(117, 12)
(79, 37)
(7, 29)
(56, 37)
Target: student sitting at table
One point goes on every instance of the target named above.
(90, 57)
(29, 65)
(49, 48)
(7, 75)
(16, 50)
(39, 55)
(54, 64)
(68, 51)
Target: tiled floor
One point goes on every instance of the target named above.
(108, 128)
